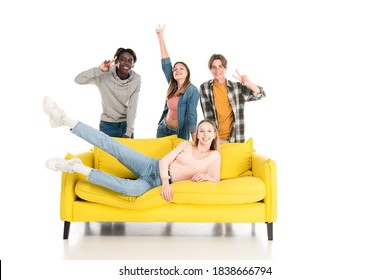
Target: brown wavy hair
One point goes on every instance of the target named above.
(220, 57)
(173, 83)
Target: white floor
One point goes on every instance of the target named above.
(315, 234)
(189, 241)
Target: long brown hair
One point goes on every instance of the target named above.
(172, 88)
(215, 144)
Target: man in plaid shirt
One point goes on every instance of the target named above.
(223, 100)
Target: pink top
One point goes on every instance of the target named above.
(183, 166)
(172, 107)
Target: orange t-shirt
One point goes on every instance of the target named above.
(224, 110)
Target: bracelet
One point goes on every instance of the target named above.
(169, 179)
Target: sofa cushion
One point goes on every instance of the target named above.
(236, 159)
(154, 147)
(232, 191)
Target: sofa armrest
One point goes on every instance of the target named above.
(68, 183)
(265, 169)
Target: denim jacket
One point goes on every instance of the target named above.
(187, 106)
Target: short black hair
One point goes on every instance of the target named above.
(120, 51)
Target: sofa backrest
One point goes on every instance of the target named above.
(153, 147)
(236, 157)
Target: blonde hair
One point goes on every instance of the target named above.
(215, 144)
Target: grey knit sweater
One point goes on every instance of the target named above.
(119, 97)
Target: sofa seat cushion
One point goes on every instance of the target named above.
(230, 191)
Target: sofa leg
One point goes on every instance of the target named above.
(66, 229)
(270, 232)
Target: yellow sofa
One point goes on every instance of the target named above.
(246, 193)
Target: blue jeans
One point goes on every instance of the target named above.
(165, 130)
(144, 167)
(114, 129)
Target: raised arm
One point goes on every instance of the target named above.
(160, 36)
(91, 76)
(246, 82)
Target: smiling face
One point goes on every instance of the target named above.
(126, 63)
(218, 70)
(206, 133)
(180, 72)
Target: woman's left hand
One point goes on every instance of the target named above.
(167, 192)
(199, 177)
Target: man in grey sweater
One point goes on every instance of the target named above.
(119, 88)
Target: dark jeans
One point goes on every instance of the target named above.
(114, 129)
(165, 130)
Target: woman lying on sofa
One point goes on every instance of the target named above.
(196, 162)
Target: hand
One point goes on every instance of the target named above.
(242, 78)
(108, 64)
(160, 32)
(199, 177)
(245, 81)
(167, 192)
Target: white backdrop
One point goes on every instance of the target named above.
(324, 67)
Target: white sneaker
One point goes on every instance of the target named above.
(61, 164)
(55, 114)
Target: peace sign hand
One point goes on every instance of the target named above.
(160, 31)
(242, 78)
(108, 64)
(245, 81)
